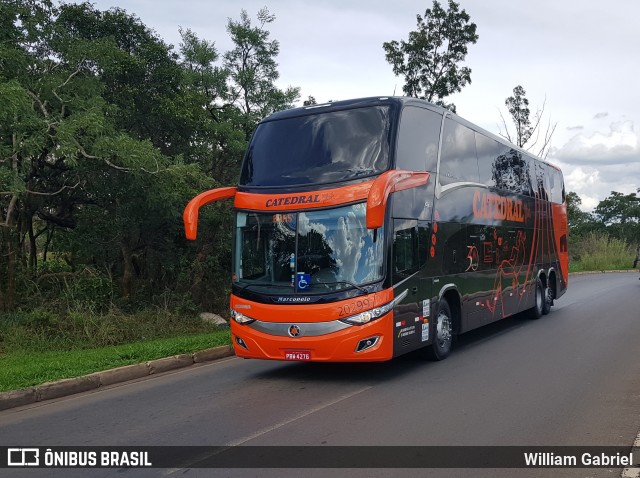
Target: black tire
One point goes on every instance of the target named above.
(538, 306)
(548, 300)
(443, 337)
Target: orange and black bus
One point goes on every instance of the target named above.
(369, 228)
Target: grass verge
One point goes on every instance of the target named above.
(25, 368)
(601, 252)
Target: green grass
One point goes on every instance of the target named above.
(600, 252)
(24, 368)
(42, 345)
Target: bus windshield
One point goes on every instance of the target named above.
(319, 148)
(308, 251)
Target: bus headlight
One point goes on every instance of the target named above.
(240, 318)
(368, 315)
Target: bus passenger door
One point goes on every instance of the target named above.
(411, 328)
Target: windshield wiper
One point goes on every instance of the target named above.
(361, 289)
(264, 284)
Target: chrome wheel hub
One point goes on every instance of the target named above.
(443, 330)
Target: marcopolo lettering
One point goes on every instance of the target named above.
(494, 206)
(293, 200)
(294, 300)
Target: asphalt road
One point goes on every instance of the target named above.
(570, 378)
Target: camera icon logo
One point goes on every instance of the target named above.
(23, 457)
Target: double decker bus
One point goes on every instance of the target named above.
(369, 228)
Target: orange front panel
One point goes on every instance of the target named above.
(336, 347)
(310, 312)
(339, 346)
(302, 200)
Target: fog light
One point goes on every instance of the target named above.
(367, 343)
(241, 343)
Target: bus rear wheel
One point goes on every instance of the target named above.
(441, 346)
(538, 307)
(548, 300)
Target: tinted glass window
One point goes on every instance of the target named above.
(511, 171)
(458, 161)
(556, 185)
(405, 249)
(488, 151)
(502, 166)
(331, 249)
(319, 148)
(418, 139)
(542, 181)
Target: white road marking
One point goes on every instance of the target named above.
(281, 424)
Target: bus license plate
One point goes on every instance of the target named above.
(297, 355)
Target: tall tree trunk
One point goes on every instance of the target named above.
(7, 269)
(127, 272)
(33, 251)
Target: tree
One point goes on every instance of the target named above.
(105, 134)
(218, 141)
(527, 132)
(84, 158)
(580, 222)
(310, 101)
(253, 70)
(429, 60)
(621, 214)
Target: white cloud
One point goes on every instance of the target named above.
(620, 145)
(595, 163)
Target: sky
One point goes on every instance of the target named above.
(577, 57)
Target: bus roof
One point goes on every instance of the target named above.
(399, 101)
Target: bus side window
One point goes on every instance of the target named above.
(405, 249)
(542, 181)
(418, 139)
(488, 150)
(556, 185)
(458, 160)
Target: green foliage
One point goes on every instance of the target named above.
(621, 214)
(429, 60)
(106, 133)
(253, 70)
(41, 329)
(600, 252)
(580, 223)
(518, 107)
(616, 218)
(527, 130)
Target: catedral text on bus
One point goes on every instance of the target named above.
(365, 229)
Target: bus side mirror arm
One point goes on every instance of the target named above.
(383, 186)
(190, 215)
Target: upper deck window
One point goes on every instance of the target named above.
(418, 139)
(319, 148)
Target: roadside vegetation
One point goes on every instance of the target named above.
(601, 252)
(606, 239)
(40, 346)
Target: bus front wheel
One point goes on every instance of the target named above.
(441, 346)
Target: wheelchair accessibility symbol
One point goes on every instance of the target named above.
(304, 281)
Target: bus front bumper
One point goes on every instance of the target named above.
(372, 342)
